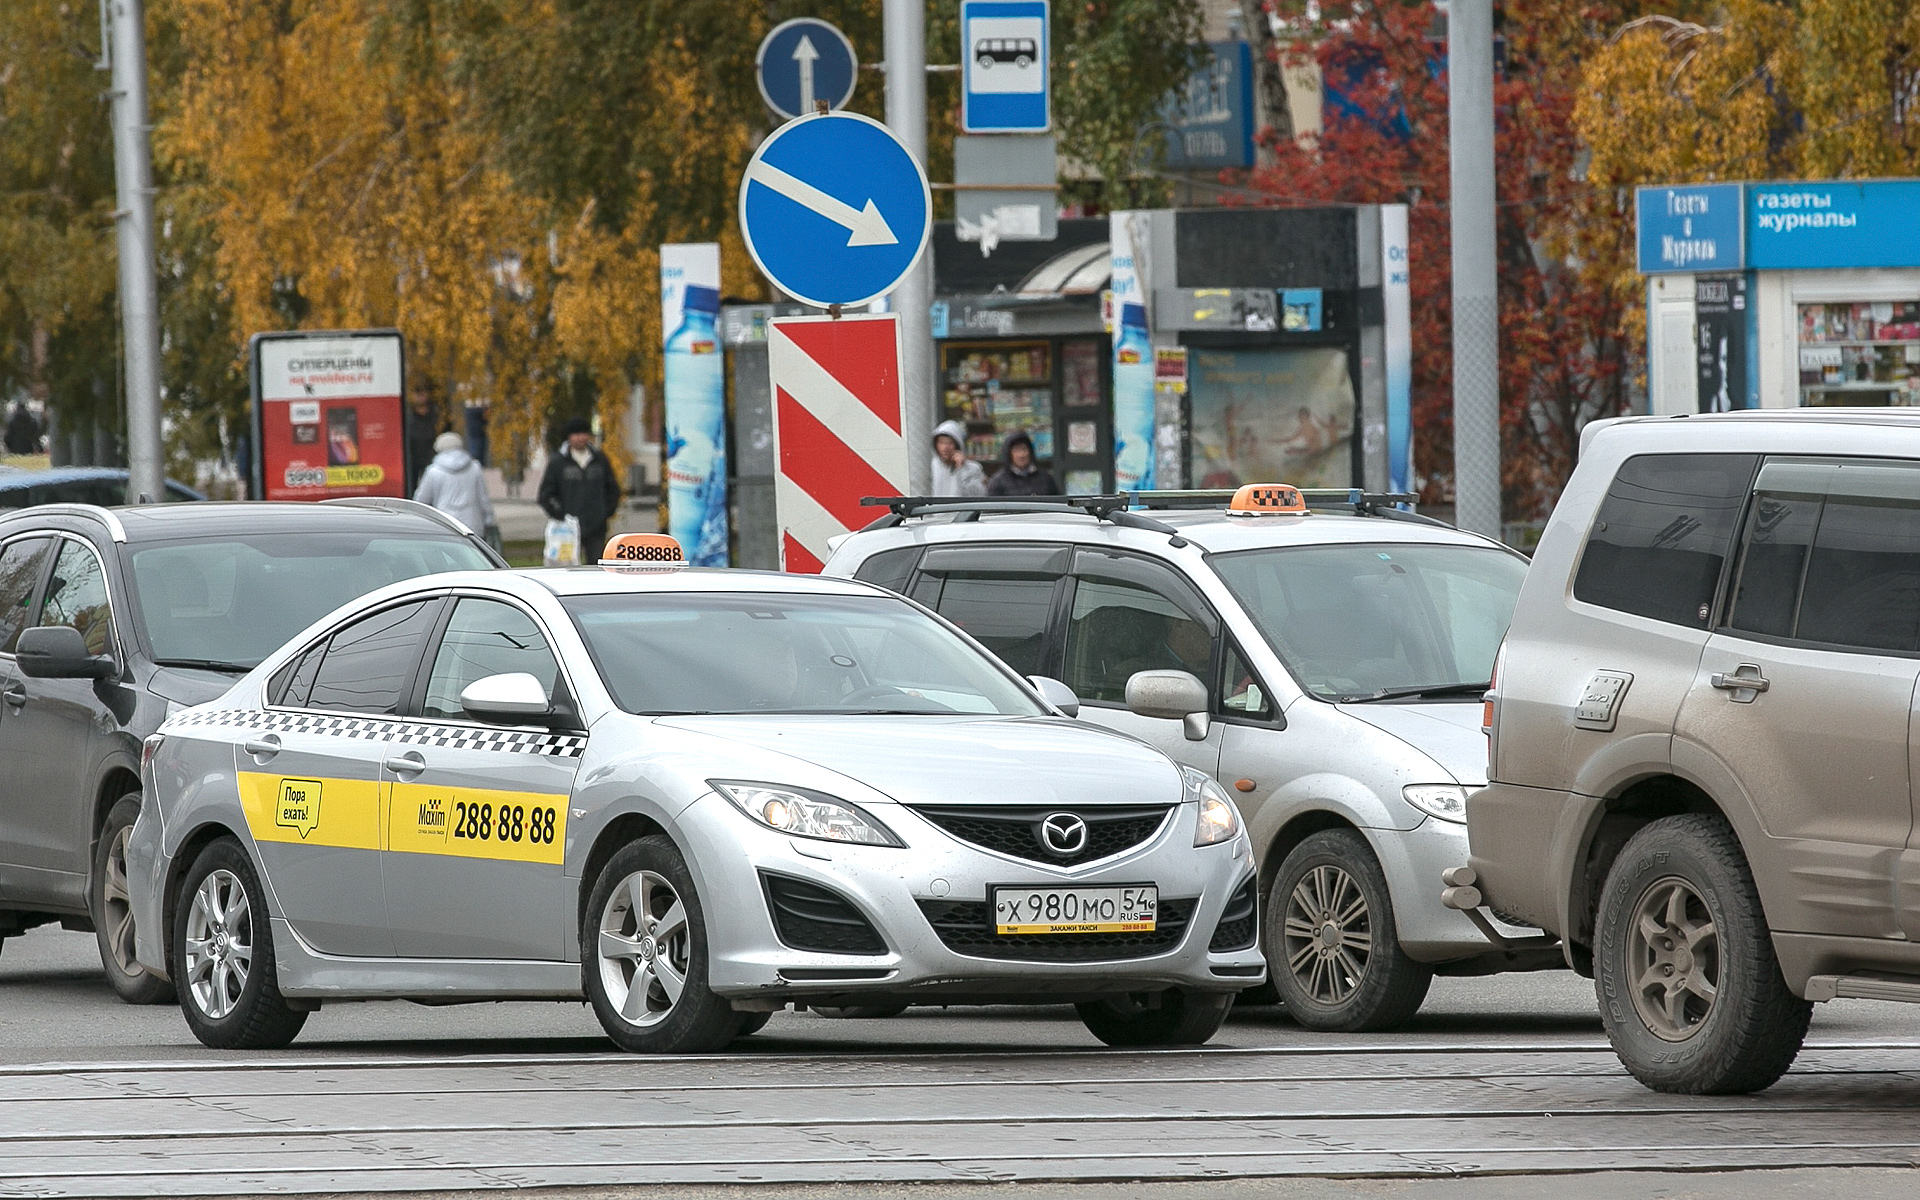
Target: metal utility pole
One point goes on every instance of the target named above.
(906, 44)
(1476, 311)
(126, 47)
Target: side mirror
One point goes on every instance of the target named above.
(59, 652)
(1170, 696)
(512, 698)
(1056, 693)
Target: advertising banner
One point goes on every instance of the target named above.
(1865, 223)
(1396, 301)
(327, 414)
(696, 401)
(1133, 445)
(1720, 331)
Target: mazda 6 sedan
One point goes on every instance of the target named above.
(692, 797)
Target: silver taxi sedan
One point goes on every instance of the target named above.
(694, 797)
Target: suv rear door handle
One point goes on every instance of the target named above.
(1745, 683)
(409, 763)
(15, 693)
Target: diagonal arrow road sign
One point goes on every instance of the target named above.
(865, 226)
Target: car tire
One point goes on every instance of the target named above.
(222, 955)
(1172, 1018)
(112, 908)
(1333, 950)
(859, 1012)
(1690, 990)
(644, 954)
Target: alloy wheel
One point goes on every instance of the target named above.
(1673, 959)
(644, 948)
(219, 944)
(117, 906)
(1328, 934)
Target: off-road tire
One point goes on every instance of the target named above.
(261, 1019)
(1754, 1026)
(1174, 1018)
(698, 1021)
(113, 931)
(1389, 988)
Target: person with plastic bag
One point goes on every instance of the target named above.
(454, 483)
(579, 483)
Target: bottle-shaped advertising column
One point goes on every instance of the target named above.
(697, 432)
(1132, 402)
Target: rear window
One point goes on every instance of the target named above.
(1663, 535)
(227, 603)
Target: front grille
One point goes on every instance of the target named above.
(1016, 831)
(966, 926)
(809, 917)
(1240, 921)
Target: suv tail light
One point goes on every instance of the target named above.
(1490, 704)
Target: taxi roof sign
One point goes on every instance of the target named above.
(642, 551)
(1258, 499)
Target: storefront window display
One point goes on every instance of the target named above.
(1860, 354)
(998, 389)
(1262, 415)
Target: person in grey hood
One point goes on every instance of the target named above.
(953, 473)
(454, 484)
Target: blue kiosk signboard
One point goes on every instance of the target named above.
(1781, 294)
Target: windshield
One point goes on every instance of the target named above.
(1370, 622)
(226, 603)
(706, 652)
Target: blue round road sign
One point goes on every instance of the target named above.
(834, 209)
(804, 60)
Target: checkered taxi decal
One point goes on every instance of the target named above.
(386, 729)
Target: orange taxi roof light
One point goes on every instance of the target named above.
(1257, 499)
(642, 550)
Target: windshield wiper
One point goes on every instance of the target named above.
(206, 664)
(1430, 691)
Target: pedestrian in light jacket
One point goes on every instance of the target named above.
(579, 482)
(954, 474)
(454, 483)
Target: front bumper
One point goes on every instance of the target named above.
(730, 854)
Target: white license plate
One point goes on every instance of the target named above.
(1075, 909)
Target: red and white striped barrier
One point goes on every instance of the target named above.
(837, 424)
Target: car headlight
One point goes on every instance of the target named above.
(1447, 801)
(1219, 819)
(804, 813)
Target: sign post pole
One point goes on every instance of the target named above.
(1476, 304)
(139, 302)
(906, 45)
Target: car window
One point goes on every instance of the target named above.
(1240, 690)
(368, 664)
(890, 568)
(77, 597)
(20, 567)
(1831, 554)
(1662, 534)
(292, 683)
(1359, 622)
(231, 600)
(1129, 616)
(485, 637)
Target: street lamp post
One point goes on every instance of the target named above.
(133, 224)
(906, 45)
(1476, 306)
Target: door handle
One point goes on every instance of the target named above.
(262, 748)
(15, 693)
(409, 763)
(1745, 683)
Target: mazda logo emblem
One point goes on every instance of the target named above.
(1063, 834)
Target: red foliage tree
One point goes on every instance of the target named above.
(1563, 356)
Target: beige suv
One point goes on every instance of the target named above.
(1700, 734)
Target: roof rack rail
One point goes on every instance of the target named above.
(1112, 508)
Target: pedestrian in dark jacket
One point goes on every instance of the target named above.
(23, 432)
(579, 483)
(422, 427)
(1021, 476)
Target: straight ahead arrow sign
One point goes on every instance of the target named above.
(806, 56)
(865, 227)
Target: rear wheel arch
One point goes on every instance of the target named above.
(1624, 814)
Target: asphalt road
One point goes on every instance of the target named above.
(1499, 1079)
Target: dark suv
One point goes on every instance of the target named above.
(113, 619)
